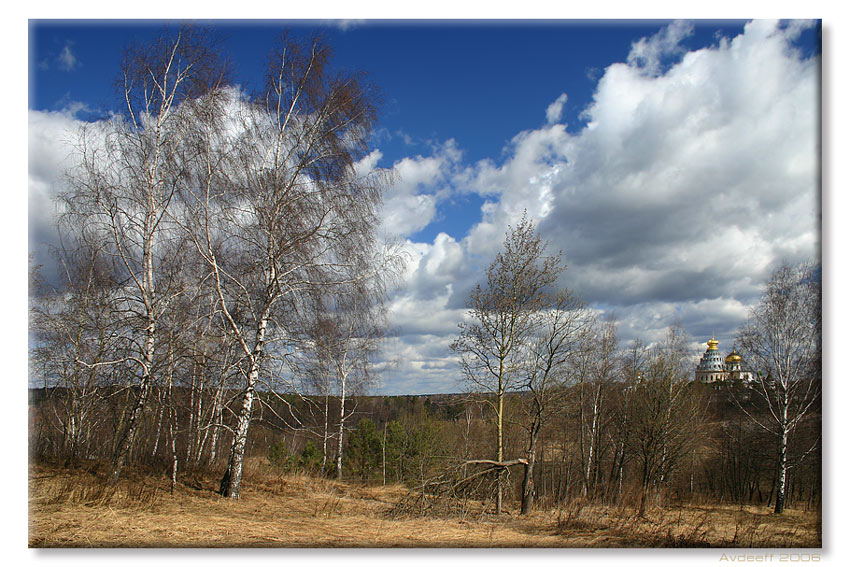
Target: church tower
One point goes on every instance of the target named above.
(711, 367)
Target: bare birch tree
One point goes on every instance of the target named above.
(782, 342)
(278, 208)
(124, 187)
(75, 341)
(632, 369)
(346, 335)
(595, 371)
(502, 316)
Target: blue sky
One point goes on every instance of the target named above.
(673, 163)
(478, 83)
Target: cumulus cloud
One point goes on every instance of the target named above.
(701, 178)
(649, 53)
(50, 140)
(696, 173)
(420, 183)
(419, 364)
(523, 182)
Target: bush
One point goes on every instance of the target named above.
(280, 457)
(363, 453)
(311, 458)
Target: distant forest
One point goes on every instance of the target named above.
(722, 457)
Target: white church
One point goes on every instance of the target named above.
(713, 367)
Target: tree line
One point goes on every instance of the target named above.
(222, 296)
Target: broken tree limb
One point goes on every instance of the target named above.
(454, 493)
(501, 464)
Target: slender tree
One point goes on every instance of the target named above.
(502, 316)
(344, 338)
(76, 339)
(782, 341)
(665, 415)
(561, 327)
(595, 371)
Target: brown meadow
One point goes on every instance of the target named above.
(79, 508)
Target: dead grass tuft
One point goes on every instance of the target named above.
(77, 508)
(88, 489)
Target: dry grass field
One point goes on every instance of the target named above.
(78, 508)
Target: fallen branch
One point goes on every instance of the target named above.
(451, 491)
(500, 464)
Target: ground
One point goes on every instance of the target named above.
(78, 508)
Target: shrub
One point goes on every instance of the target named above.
(280, 457)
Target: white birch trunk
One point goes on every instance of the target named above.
(341, 428)
(215, 423)
(125, 441)
(325, 438)
(782, 462)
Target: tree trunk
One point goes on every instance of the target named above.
(781, 472)
(500, 445)
(232, 479)
(589, 481)
(384, 457)
(341, 429)
(128, 434)
(528, 476)
(194, 427)
(542, 492)
(215, 424)
(325, 437)
(172, 433)
(158, 433)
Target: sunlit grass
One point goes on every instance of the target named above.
(79, 508)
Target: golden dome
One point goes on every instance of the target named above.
(712, 344)
(733, 357)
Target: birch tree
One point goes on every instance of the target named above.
(75, 340)
(278, 207)
(125, 184)
(595, 371)
(313, 368)
(344, 338)
(782, 342)
(502, 316)
(633, 365)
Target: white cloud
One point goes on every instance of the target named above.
(555, 110)
(348, 24)
(647, 53)
(66, 58)
(419, 184)
(419, 364)
(705, 175)
(51, 136)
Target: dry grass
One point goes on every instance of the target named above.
(79, 508)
